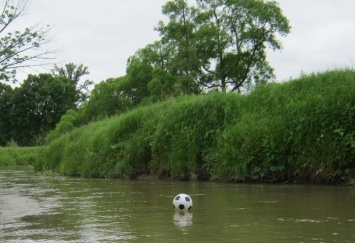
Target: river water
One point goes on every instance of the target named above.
(37, 208)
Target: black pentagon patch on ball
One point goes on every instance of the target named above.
(181, 206)
(187, 199)
(177, 198)
(190, 208)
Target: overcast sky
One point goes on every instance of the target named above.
(103, 34)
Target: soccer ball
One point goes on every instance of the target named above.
(182, 202)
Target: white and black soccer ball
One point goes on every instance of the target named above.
(182, 202)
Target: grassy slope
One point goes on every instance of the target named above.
(299, 131)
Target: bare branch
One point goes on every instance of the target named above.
(8, 17)
(21, 49)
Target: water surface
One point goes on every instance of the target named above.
(36, 208)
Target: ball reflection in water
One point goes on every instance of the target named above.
(183, 219)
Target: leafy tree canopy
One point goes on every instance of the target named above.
(216, 44)
(37, 106)
(75, 72)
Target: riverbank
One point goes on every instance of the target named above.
(300, 131)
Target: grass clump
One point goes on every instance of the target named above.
(302, 131)
(11, 156)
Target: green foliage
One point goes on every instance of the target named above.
(10, 156)
(138, 76)
(221, 44)
(67, 123)
(211, 45)
(6, 159)
(299, 131)
(161, 86)
(37, 106)
(187, 132)
(30, 111)
(5, 110)
(178, 36)
(234, 36)
(107, 99)
(75, 73)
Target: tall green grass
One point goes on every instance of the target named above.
(10, 156)
(303, 130)
(299, 131)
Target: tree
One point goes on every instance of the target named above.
(5, 108)
(234, 36)
(74, 73)
(161, 86)
(139, 74)
(178, 35)
(222, 43)
(149, 75)
(38, 105)
(20, 49)
(108, 98)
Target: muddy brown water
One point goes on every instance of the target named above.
(37, 208)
